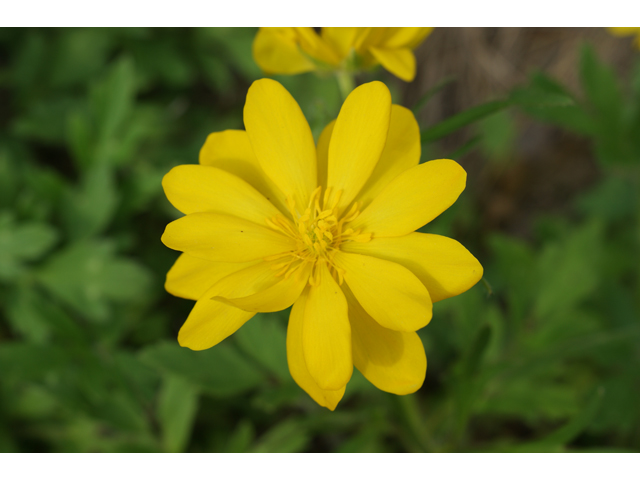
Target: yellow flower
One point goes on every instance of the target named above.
(293, 50)
(625, 32)
(272, 220)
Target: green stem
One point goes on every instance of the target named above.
(346, 83)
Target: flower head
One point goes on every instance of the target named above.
(272, 220)
(293, 50)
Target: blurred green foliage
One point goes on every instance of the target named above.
(90, 121)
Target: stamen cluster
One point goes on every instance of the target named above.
(318, 231)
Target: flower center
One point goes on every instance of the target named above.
(318, 231)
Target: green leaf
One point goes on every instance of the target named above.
(88, 276)
(241, 438)
(286, 437)
(562, 436)
(22, 242)
(570, 262)
(88, 210)
(498, 135)
(177, 408)
(113, 98)
(462, 119)
(220, 370)
(264, 339)
(28, 361)
(549, 101)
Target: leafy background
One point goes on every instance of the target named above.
(544, 355)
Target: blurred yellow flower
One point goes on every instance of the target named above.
(626, 32)
(272, 220)
(293, 50)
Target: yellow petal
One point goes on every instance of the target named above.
(393, 361)
(358, 139)
(401, 152)
(442, 264)
(297, 363)
(281, 139)
(212, 321)
(276, 50)
(407, 37)
(342, 39)
(224, 238)
(315, 46)
(190, 277)
(623, 31)
(198, 188)
(326, 334)
(399, 61)
(389, 292)
(275, 298)
(413, 199)
(231, 151)
(323, 154)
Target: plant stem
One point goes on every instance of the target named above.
(346, 83)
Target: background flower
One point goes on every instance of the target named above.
(295, 50)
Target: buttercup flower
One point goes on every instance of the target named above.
(293, 50)
(626, 32)
(272, 220)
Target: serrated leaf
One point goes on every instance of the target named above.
(88, 276)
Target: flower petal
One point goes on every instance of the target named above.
(197, 188)
(281, 139)
(275, 298)
(358, 139)
(326, 334)
(231, 151)
(276, 50)
(393, 361)
(342, 39)
(442, 264)
(224, 238)
(408, 37)
(389, 292)
(314, 45)
(323, 154)
(413, 199)
(297, 363)
(211, 321)
(399, 61)
(401, 152)
(190, 277)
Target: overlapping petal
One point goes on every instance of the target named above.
(190, 277)
(281, 139)
(442, 264)
(275, 298)
(297, 363)
(358, 139)
(231, 151)
(387, 291)
(224, 238)
(326, 333)
(413, 199)
(393, 361)
(399, 61)
(198, 188)
(212, 321)
(323, 153)
(276, 50)
(401, 152)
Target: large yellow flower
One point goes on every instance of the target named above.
(293, 50)
(272, 220)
